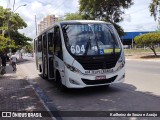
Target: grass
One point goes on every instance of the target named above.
(150, 56)
(141, 51)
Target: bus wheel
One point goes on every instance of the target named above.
(40, 69)
(61, 87)
(44, 76)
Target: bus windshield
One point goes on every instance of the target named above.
(90, 39)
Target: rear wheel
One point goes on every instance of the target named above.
(40, 68)
(44, 76)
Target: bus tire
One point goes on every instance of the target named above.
(40, 68)
(44, 76)
(61, 87)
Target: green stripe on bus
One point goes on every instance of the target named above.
(108, 50)
(111, 50)
(117, 50)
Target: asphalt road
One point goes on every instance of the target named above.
(139, 92)
(145, 76)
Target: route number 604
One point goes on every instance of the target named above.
(77, 49)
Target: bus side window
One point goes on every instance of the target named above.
(44, 44)
(39, 44)
(50, 44)
(57, 44)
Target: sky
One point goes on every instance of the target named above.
(136, 18)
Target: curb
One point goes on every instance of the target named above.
(144, 60)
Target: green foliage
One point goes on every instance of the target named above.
(16, 22)
(10, 23)
(5, 43)
(29, 48)
(106, 10)
(73, 16)
(149, 40)
(154, 8)
(4, 14)
(20, 39)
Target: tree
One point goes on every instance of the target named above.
(106, 10)
(149, 40)
(29, 48)
(73, 16)
(10, 23)
(11, 19)
(154, 8)
(20, 39)
(4, 13)
(5, 43)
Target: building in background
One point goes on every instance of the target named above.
(46, 22)
(128, 38)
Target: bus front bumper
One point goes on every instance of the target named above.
(75, 80)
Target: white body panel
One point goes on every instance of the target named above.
(73, 79)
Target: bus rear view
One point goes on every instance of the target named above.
(93, 54)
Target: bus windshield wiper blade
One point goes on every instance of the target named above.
(96, 41)
(114, 42)
(87, 46)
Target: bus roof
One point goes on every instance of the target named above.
(82, 21)
(74, 22)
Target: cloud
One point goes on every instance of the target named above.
(136, 18)
(41, 9)
(140, 19)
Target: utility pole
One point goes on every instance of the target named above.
(9, 17)
(13, 4)
(36, 24)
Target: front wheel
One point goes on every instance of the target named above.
(61, 87)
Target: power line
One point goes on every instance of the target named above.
(59, 5)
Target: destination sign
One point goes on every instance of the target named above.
(100, 71)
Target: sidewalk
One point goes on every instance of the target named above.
(16, 94)
(150, 58)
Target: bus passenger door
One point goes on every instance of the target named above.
(44, 57)
(58, 56)
(50, 56)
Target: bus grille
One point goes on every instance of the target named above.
(103, 63)
(103, 81)
(93, 65)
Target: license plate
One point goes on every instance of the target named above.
(100, 77)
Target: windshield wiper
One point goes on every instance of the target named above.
(114, 42)
(96, 41)
(87, 46)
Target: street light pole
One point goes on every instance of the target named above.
(9, 35)
(19, 7)
(13, 5)
(36, 24)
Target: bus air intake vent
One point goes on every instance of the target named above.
(103, 81)
(94, 65)
(89, 63)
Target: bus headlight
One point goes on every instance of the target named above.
(121, 63)
(73, 69)
(120, 66)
